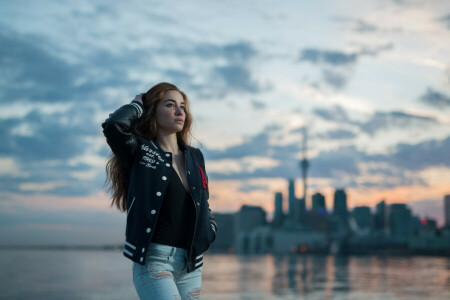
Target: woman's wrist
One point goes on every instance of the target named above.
(138, 99)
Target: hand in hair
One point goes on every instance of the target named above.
(138, 98)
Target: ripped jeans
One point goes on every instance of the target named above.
(164, 275)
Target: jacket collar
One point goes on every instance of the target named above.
(155, 144)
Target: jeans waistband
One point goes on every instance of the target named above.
(169, 250)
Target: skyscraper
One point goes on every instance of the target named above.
(340, 204)
(278, 205)
(318, 202)
(447, 210)
(380, 217)
(400, 220)
(291, 200)
(362, 217)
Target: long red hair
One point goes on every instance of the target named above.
(117, 175)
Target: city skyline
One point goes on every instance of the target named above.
(370, 82)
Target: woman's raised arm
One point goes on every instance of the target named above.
(116, 129)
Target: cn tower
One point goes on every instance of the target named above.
(304, 163)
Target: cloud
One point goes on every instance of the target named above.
(330, 57)
(378, 121)
(259, 105)
(236, 78)
(344, 165)
(338, 134)
(42, 146)
(336, 113)
(225, 68)
(257, 145)
(364, 27)
(33, 71)
(435, 98)
(395, 119)
(445, 20)
(374, 51)
(337, 64)
(334, 79)
(237, 52)
(30, 71)
(51, 137)
(422, 155)
(343, 160)
(253, 187)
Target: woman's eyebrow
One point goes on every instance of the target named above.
(173, 101)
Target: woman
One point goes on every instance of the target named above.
(161, 182)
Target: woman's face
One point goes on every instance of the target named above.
(170, 113)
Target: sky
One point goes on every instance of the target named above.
(369, 85)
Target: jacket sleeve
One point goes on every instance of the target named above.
(117, 131)
(212, 220)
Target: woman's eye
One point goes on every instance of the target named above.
(183, 107)
(170, 105)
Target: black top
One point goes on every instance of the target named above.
(176, 216)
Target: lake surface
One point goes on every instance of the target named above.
(75, 274)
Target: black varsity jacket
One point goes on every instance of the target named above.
(150, 168)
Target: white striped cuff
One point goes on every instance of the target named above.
(138, 108)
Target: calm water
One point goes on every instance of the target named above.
(33, 274)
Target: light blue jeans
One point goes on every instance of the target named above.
(164, 275)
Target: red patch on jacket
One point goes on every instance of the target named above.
(204, 181)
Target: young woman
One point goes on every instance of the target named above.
(161, 182)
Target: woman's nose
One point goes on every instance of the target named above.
(178, 111)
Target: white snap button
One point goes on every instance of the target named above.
(148, 230)
(164, 178)
(167, 154)
(167, 165)
(153, 211)
(158, 193)
(189, 172)
(141, 259)
(198, 203)
(193, 187)
(143, 249)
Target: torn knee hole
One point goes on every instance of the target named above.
(195, 293)
(162, 274)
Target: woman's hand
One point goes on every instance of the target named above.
(138, 98)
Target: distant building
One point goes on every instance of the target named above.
(300, 210)
(416, 225)
(340, 204)
(317, 220)
(266, 240)
(400, 221)
(291, 200)
(278, 216)
(362, 217)
(318, 202)
(428, 224)
(249, 217)
(447, 210)
(225, 238)
(380, 217)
